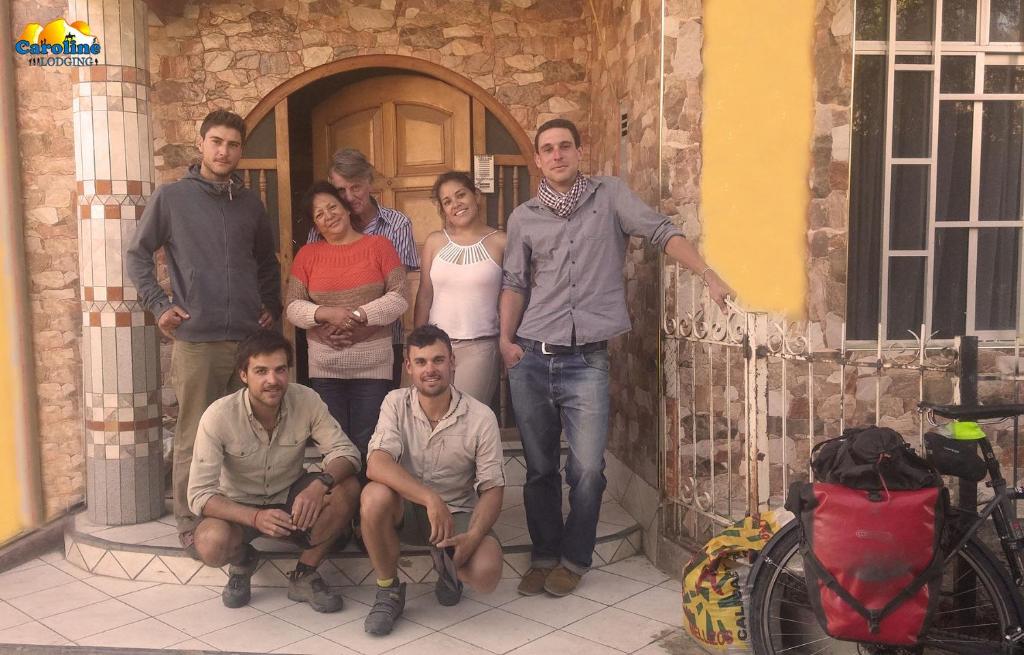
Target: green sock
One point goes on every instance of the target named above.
(384, 584)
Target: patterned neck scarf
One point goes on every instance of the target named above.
(562, 203)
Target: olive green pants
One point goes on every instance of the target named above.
(201, 373)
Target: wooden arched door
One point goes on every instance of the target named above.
(411, 128)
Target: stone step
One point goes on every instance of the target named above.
(151, 552)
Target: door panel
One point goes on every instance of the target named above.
(411, 128)
(417, 202)
(423, 137)
(363, 130)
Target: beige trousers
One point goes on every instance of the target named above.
(477, 363)
(201, 373)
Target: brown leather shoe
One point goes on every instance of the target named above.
(561, 582)
(532, 583)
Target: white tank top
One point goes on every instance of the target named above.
(466, 286)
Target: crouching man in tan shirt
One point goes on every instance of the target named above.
(247, 477)
(436, 479)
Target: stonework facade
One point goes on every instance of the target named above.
(530, 55)
(624, 80)
(47, 150)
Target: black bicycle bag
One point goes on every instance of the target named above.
(871, 530)
(952, 457)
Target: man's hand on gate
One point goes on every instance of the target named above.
(442, 526)
(718, 289)
(274, 522)
(307, 505)
(511, 353)
(169, 321)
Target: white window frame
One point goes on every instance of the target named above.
(984, 52)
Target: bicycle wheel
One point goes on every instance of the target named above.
(782, 622)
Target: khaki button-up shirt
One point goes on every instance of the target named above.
(458, 459)
(236, 458)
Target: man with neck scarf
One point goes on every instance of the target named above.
(563, 297)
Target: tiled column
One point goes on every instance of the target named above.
(120, 344)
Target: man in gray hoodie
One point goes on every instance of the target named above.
(225, 282)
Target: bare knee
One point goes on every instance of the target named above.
(483, 571)
(217, 541)
(377, 502)
(340, 505)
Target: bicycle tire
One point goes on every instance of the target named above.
(782, 622)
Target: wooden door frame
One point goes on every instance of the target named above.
(399, 63)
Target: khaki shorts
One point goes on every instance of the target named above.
(298, 537)
(414, 530)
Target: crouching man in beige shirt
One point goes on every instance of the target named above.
(247, 477)
(436, 479)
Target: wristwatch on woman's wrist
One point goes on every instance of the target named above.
(360, 315)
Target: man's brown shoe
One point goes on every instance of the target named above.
(532, 583)
(561, 582)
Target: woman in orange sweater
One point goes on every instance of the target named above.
(353, 282)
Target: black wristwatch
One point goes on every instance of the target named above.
(327, 479)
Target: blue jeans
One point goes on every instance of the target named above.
(355, 405)
(551, 393)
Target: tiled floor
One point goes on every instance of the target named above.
(628, 607)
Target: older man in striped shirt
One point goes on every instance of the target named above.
(352, 175)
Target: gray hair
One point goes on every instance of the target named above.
(351, 165)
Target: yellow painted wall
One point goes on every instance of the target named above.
(12, 519)
(757, 129)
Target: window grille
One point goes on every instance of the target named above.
(935, 169)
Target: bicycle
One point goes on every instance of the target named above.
(980, 611)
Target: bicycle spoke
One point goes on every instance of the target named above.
(806, 643)
(782, 618)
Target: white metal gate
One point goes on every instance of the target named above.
(748, 395)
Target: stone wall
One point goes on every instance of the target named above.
(232, 54)
(46, 146)
(829, 210)
(624, 78)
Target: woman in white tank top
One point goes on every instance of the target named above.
(460, 280)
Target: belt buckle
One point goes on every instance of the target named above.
(544, 348)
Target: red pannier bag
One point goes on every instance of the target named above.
(872, 561)
(871, 537)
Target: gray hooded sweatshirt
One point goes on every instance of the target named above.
(220, 253)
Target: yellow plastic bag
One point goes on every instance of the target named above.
(713, 582)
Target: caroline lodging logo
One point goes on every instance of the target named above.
(58, 44)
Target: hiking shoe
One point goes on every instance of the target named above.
(561, 582)
(532, 583)
(238, 590)
(386, 609)
(448, 588)
(310, 588)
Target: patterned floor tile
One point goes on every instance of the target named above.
(92, 619)
(498, 631)
(438, 643)
(55, 600)
(10, 616)
(204, 617)
(262, 634)
(564, 642)
(163, 598)
(552, 611)
(32, 632)
(148, 633)
(619, 629)
(352, 636)
(22, 583)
